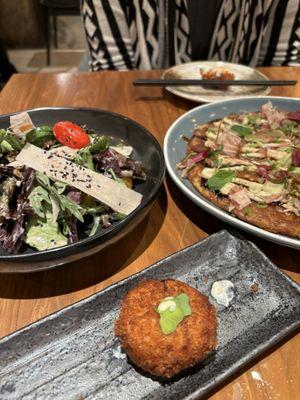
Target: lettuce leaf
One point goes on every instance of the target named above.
(84, 156)
(39, 136)
(70, 206)
(43, 179)
(9, 142)
(100, 143)
(37, 196)
(66, 205)
(44, 234)
(95, 226)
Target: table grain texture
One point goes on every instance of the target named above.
(173, 223)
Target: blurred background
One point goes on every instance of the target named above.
(42, 35)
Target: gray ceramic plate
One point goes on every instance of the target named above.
(73, 354)
(120, 129)
(175, 150)
(206, 95)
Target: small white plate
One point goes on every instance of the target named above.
(208, 95)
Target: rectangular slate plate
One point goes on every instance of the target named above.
(73, 354)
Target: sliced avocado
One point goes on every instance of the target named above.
(259, 189)
(283, 162)
(294, 170)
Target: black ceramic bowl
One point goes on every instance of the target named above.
(121, 129)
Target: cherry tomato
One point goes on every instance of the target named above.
(71, 135)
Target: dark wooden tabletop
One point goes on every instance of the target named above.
(173, 223)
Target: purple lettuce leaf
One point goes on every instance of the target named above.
(73, 233)
(121, 165)
(13, 241)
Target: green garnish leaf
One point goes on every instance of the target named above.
(182, 300)
(247, 211)
(242, 130)
(215, 154)
(217, 181)
(252, 118)
(261, 205)
(212, 130)
(169, 320)
(172, 311)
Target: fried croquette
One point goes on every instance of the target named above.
(139, 330)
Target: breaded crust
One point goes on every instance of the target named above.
(271, 218)
(142, 339)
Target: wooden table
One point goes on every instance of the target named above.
(173, 223)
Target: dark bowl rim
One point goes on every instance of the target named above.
(89, 241)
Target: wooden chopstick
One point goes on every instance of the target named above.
(210, 82)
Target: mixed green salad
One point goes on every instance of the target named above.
(45, 213)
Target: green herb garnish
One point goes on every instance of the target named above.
(242, 130)
(217, 181)
(212, 130)
(247, 211)
(172, 310)
(252, 119)
(261, 205)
